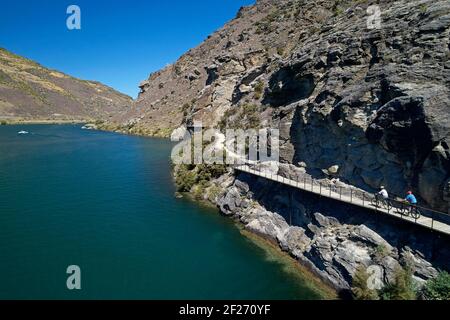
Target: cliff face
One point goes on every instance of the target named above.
(334, 240)
(30, 91)
(374, 102)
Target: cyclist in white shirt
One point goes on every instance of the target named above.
(383, 192)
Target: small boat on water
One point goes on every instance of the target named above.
(89, 127)
(23, 132)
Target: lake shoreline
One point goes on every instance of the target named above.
(312, 281)
(299, 270)
(15, 122)
(296, 269)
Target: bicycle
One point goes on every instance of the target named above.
(380, 202)
(406, 209)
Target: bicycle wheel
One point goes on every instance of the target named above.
(402, 211)
(375, 203)
(388, 205)
(416, 213)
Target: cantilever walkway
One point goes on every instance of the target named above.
(432, 220)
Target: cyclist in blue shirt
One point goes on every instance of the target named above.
(411, 198)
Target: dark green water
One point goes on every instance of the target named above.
(105, 202)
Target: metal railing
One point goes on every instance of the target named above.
(425, 217)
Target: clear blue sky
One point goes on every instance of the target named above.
(120, 42)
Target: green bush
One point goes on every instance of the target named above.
(185, 178)
(198, 191)
(402, 288)
(206, 172)
(3, 123)
(360, 290)
(438, 288)
(213, 193)
(246, 117)
(423, 9)
(381, 252)
(259, 89)
(189, 176)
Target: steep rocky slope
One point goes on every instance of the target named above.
(373, 102)
(32, 92)
(331, 238)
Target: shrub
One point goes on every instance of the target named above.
(206, 172)
(402, 288)
(381, 252)
(190, 177)
(438, 288)
(259, 89)
(246, 117)
(423, 8)
(337, 10)
(3, 123)
(360, 290)
(251, 114)
(186, 109)
(198, 192)
(213, 193)
(185, 178)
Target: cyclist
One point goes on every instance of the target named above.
(383, 193)
(411, 198)
(382, 197)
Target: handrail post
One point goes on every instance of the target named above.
(351, 195)
(432, 220)
(340, 193)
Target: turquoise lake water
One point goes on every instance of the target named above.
(105, 202)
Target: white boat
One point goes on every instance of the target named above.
(23, 132)
(89, 127)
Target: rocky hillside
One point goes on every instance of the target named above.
(30, 91)
(356, 106)
(332, 239)
(373, 104)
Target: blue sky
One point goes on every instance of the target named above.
(120, 42)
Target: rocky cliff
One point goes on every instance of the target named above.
(372, 103)
(369, 104)
(30, 91)
(330, 238)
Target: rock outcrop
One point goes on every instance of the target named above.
(29, 91)
(357, 103)
(333, 241)
(366, 104)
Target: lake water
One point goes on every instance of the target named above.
(105, 202)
